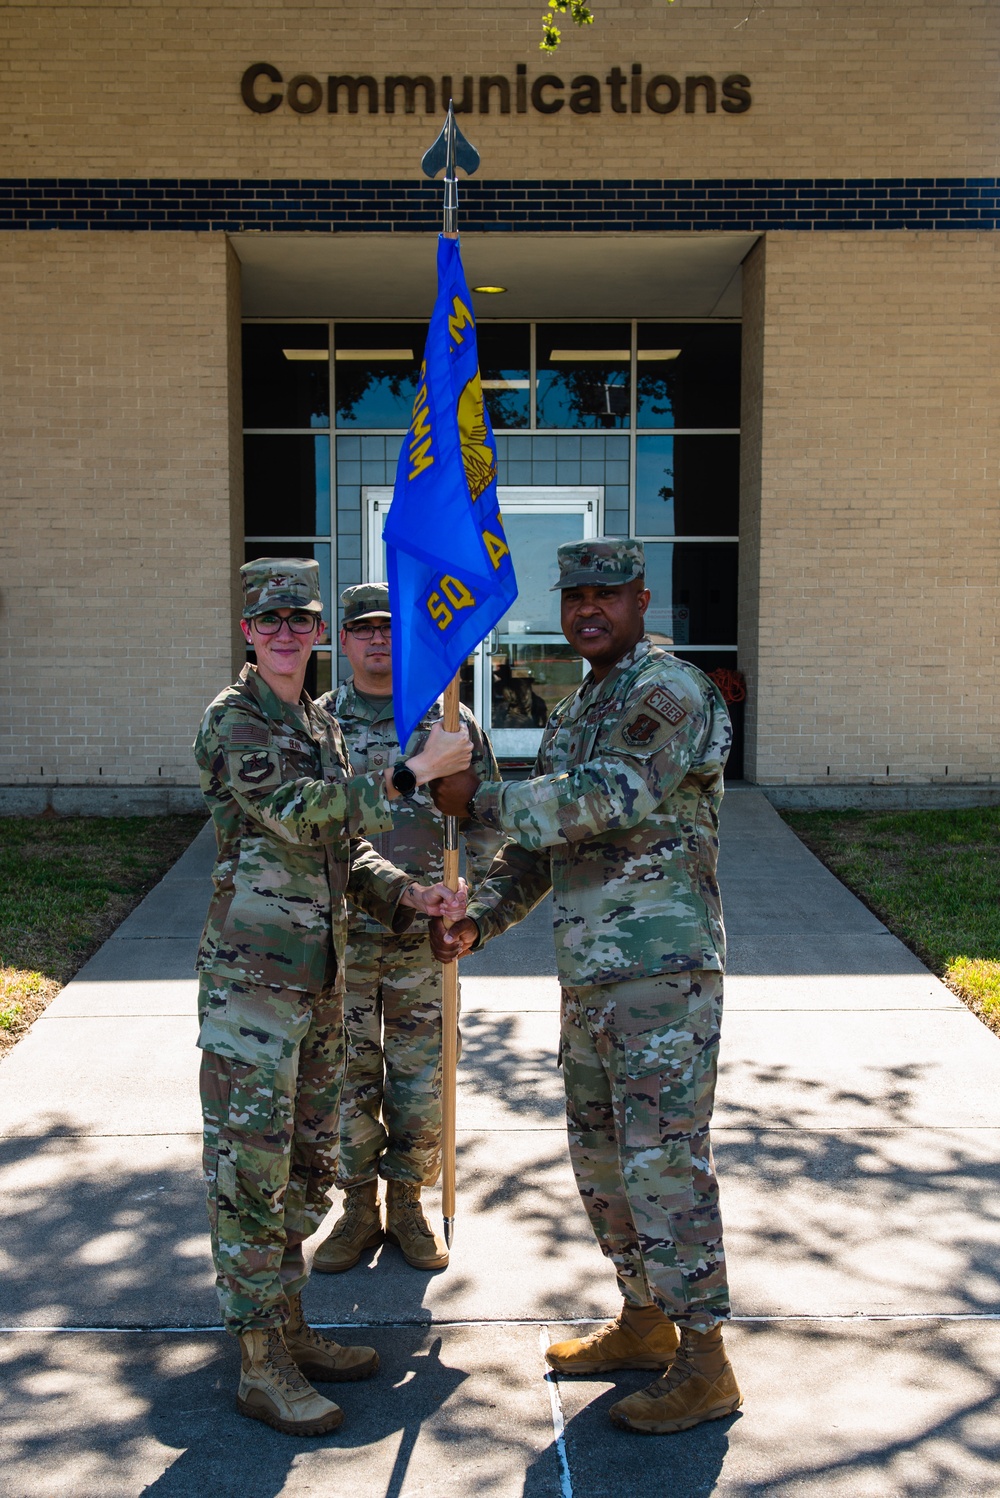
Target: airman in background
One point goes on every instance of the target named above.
(620, 820)
(390, 1112)
(290, 823)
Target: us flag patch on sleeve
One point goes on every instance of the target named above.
(249, 733)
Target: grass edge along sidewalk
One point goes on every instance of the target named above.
(933, 877)
(66, 883)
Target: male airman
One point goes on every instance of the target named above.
(390, 1111)
(621, 820)
(289, 820)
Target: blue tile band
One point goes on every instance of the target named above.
(231, 205)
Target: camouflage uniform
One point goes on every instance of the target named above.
(621, 821)
(289, 820)
(390, 1112)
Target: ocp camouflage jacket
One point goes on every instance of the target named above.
(621, 820)
(289, 817)
(415, 842)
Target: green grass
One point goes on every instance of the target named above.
(933, 877)
(65, 884)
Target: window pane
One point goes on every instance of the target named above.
(688, 375)
(505, 367)
(376, 367)
(286, 375)
(318, 552)
(286, 486)
(694, 593)
(584, 375)
(687, 486)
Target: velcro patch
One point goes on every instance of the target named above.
(256, 767)
(640, 731)
(249, 733)
(666, 704)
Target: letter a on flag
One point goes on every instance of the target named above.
(450, 574)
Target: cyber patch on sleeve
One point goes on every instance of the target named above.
(666, 704)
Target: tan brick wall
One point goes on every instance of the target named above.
(872, 87)
(876, 524)
(120, 492)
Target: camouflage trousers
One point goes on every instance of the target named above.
(272, 1068)
(390, 1111)
(639, 1063)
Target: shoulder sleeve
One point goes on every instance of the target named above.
(671, 724)
(238, 762)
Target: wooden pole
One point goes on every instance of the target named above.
(449, 1005)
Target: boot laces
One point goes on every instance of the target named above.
(282, 1364)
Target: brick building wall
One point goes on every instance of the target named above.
(120, 502)
(870, 513)
(844, 90)
(868, 627)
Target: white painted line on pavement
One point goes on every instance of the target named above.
(430, 1326)
(558, 1423)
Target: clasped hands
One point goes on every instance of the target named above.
(451, 936)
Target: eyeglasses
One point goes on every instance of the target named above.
(300, 623)
(369, 631)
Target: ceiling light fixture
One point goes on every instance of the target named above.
(490, 290)
(506, 384)
(376, 355)
(591, 355)
(649, 354)
(295, 354)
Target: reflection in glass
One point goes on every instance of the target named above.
(693, 591)
(505, 368)
(376, 368)
(688, 375)
(286, 486)
(528, 681)
(286, 375)
(687, 486)
(318, 551)
(533, 540)
(584, 375)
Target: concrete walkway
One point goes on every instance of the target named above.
(858, 1140)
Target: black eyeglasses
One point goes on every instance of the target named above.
(300, 623)
(369, 631)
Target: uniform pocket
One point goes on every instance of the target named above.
(668, 1069)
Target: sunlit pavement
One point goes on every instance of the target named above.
(857, 1136)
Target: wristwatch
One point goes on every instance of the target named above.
(404, 780)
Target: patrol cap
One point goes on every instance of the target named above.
(280, 583)
(601, 562)
(365, 601)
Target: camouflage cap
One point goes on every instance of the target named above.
(365, 601)
(280, 583)
(601, 562)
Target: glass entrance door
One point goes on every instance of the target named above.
(525, 667)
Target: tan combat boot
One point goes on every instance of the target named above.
(358, 1228)
(272, 1388)
(408, 1228)
(699, 1385)
(320, 1357)
(639, 1337)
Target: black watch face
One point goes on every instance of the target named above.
(404, 780)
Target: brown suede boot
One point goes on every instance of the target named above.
(320, 1357)
(408, 1228)
(700, 1385)
(639, 1337)
(358, 1228)
(273, 1389)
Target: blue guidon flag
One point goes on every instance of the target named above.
(451, 578)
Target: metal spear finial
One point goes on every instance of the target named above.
(451, 149)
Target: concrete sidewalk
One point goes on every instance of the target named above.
(858, 1139)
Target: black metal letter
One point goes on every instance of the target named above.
(250, 99)
(736, 93)
(663, 80)
(546, 106)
